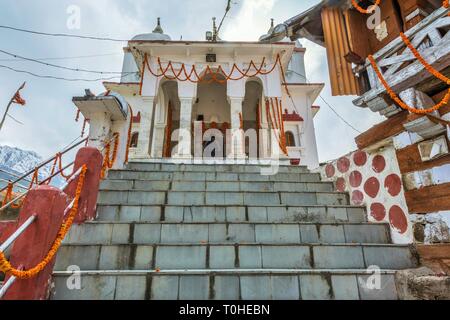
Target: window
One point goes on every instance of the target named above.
(134, 140)
(290, 140)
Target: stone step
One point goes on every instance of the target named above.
(235, 168)
(194, 198)
(318, 214)
(229, 256)
(244, 232)
(226, 285)
(234, 186)
(210, 176)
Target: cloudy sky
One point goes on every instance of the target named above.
(47, 121)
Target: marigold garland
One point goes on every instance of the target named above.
(7, 268)
(109, 161)
(394, 96)
(366, 11)
(419, 57)
(276, 123)
(9, 196)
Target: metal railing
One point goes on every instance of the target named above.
(7, 244)
(44, 163)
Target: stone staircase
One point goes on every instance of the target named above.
(167, 231)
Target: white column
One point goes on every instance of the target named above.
(237, 134)
(99, 129)
(184, 137)
(143, 148)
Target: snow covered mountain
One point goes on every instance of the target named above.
(17, 161)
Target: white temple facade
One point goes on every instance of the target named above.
(206, 101)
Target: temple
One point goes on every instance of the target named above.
(249, 99)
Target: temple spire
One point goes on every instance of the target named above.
(158, 28)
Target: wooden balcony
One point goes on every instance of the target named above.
(401, 69)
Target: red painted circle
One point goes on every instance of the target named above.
(378, 211)
(371, 187)
(360, 158)
(355, 179)
(393, 184)
(343, 164)
(357, 197)
(329, 170)
(378, 164)
(398, 219)
(340, 184)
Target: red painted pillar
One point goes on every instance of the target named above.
(7, 228)
(48, 204)
(88, 199)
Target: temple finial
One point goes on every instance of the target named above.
(158, 28)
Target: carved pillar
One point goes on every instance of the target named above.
(185, 137)
(237, 134)
(143, 148)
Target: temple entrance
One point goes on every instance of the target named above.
(252, 117)
(211, 114)
(169, 116)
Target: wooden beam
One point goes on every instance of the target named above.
(429, 199)
(409, 160)
(437, 98)
(383, 130)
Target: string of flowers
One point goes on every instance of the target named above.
(7, 268)
(108, 160)
(276, 123)
(366, 11)
(9, 195)
(394, 96)
(164, 72)
(419, 57)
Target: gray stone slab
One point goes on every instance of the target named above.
(298, 199)
(146, 197)
(107, 213)
(174, 214)
(309, 233)
(261, 199)
(217, 233)
(118, 185)
(85, 257)
(255, 288)
(241, 233)
(235, 214)
(315, 287)
(112, 197)
(257, 214)
(186, 198)
(90, 233)
(194, 288)
(332, 234)
(222, 186)
(373, 233)
(222, 257)
(250, 257)
(345, 287)
(332, 198)
(356, 215)
(164, 288)
(337, 214)
(114, 258)
(394, 257)
(286, 257)
(92, 288)
(338, 257)
(382, 289)
(130, 213)
(120, 233)
(180, 257)
(151, 185)
(150, 214)
(226, 288)
(285, 288)
(147, 233)
(131, 287)
(143, 258)
(184, 233)
(273, 233)
(188, 186)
